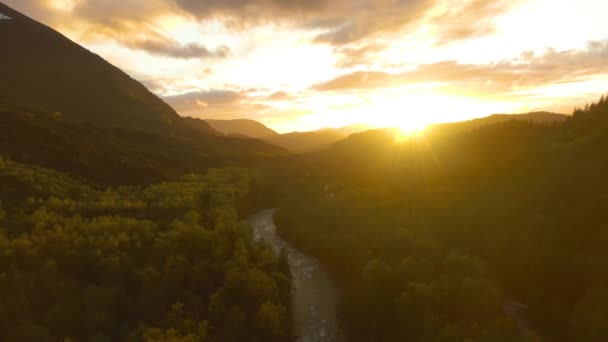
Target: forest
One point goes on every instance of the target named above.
(497, 233)
(485, 233)
(124, 220)
(167, 262)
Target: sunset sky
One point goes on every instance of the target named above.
(307, 64)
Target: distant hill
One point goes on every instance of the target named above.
(539, 117)
(295, 141)
(354, 128)
(242, 128)
(307, 141)
(300, 142)
(514, 194)
(314, 140)
(39, 66)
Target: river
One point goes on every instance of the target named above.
(314, 294)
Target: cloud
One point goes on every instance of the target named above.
(279, 96)
(472, 18)
(229, 104)
(170, 48)
(191, 101)
(367, 18)
(524, 72)
(350, 57)
(130, 23)
(341, 22)
(253, 9)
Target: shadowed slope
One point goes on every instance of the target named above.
(242, 127)
(39, 66)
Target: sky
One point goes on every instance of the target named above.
(308, 64)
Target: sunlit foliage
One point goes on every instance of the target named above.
(169, 262)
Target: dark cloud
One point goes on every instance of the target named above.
(343, 21)
(253, 9)
(170, 48)
(127, 22)
(473, 19)
(216, 104)
(368, 18)
(525, 72)
(228, 104)
(203, 99)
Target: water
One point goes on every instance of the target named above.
(314, 296)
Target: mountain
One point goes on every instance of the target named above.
(513, 210)
(39, 66)
(538, 117)
(113, 155)
(64, 108)
(300, 142)
(242, 128)
(354, 128)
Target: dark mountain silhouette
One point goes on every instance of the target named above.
(39, 66)
(354, 128)
(113, 155)
(242, 128)
(300, 142)
(295, 141)
(538, 117)
(62, 107)
(522, 197)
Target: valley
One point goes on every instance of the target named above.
(136, 186)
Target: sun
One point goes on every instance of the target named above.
(412, 129)
(410, 126)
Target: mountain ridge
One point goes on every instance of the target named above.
(45, 68)
(241, 127)
(65, 108)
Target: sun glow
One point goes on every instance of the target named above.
(411, 127)
(411, 110)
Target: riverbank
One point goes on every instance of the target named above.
(314, 294)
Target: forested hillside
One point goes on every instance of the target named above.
(121, 220)
(65, 108)
(168, 262)
(456, 236)
(537, 117)
(117, 156)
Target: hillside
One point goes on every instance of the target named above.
(301, 142)
(65, 108)
(432, 236)
(242, 128)
(41, 67)
(538, 117)
(112, 155)
(298, 142)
